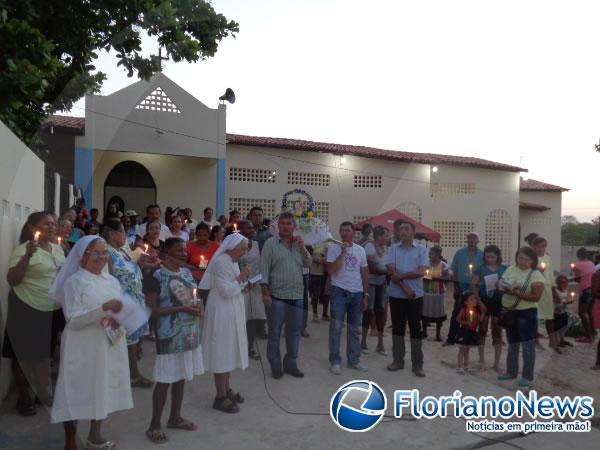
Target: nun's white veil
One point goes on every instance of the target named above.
(72, 265)
(229, 243)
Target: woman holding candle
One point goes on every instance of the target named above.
(200, 251)
(128, 272)
(546, 303)
(469, 318)
(492, 269)
(583, 270)
(522, 286)
(153, 245)
(169, 292)
(224, 342)
(65, 229)
(34, 319)
(434, 288)
(93, 380)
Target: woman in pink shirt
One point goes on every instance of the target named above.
(583, 271)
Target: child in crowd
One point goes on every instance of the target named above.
(561, 318)
(469, 318)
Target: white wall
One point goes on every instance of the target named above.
(180, 180)
(401, 182)
(544, 223)
(21, 192)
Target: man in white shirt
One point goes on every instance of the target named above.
(348, 268)
(208, 217)
(152, 215)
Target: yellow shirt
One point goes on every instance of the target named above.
(39, 276)
(516, 277)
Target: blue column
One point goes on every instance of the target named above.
(84, 169)
(221, 170)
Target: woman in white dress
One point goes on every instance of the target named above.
(255, 308)
(93, 379)
(224, 343)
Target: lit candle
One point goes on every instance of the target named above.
(36, 235)
(59, 240)
(470, 269)
(235, 228)
(194, 293)
(572, 294)
(572, 266)
(426, 272)
(146, 248)
(471, 312)
(543, 266)
(202, 264)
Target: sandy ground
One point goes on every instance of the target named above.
(261, 424)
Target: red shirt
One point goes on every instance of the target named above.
(476, 318)
(194, 253)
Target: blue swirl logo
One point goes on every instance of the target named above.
(358, 406)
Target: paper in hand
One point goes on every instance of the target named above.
(132, 316)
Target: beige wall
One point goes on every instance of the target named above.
(401, 182)
(180, 181)
(545, 223)
(21, 193)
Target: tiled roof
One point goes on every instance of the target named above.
(67, 123)
(540, 186)
(533, 206)
(368, 152)
(77, 124)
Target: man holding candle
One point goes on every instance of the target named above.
(465, 263)
(406, 262)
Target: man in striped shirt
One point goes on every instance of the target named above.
(282, 259)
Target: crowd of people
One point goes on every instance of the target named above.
(212, 287)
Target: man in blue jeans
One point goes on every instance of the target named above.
(282, 259)
(348, 269)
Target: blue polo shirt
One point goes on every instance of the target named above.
(460, 267)
(407, 259)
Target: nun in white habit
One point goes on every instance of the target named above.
(224, 342)
(93, 379)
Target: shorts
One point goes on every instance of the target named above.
(493, 306)
(316, 286)
(468, 337)
(561, 321)
(377, 297)
(586, 298)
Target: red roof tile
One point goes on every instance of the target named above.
(77, 124)
(533, 206)
(368, 152)
(535, 185)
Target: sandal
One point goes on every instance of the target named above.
(26, 409)
(225, 405)
(141, 382)
(237, 398)
(156, 436)
(106, 445)
(183, 424)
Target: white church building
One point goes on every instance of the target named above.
(153, 142)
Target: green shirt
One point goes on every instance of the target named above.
(281, 269)
(39, 276)
(516, 277)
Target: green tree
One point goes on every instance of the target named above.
(47, 48)
(575, 233)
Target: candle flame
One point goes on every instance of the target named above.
(36, 236)
(194, 291)
(59, 240)
(146, 247)
(235, 227)
(543, 265)
(572, 265)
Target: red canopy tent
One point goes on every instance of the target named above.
(388, 218)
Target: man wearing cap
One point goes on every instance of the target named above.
(464, 264)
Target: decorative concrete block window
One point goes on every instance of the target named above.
(308, 178)
(540, 220)
(498, 231)
(452, 188)
(322, 211)
(368, 181)
(18, 211)
(454, 233)
(5, 208)
(158, 100)
(411, 210)
(252, 175)
(243, 205)
(359, 219)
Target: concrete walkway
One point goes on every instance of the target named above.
(263, 425)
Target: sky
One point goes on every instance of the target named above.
(510, 81)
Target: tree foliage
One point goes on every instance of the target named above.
(576, 233)
(47, 48)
